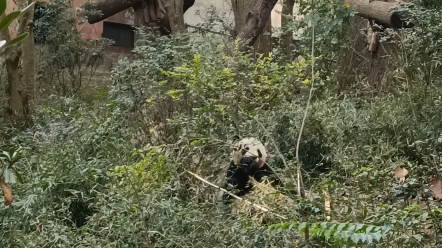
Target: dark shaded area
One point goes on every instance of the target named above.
(80, 211)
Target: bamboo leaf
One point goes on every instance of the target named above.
(3, 4)
(27, 8)
(9, 176)
(5, 22)
(18, 39)
(18, 176)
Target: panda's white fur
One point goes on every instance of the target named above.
(252, 145)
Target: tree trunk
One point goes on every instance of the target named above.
(174, 16)
(21, 95)
(12, 60)
(287, 36)
(15, 99)
(28, 63)
(381, 12)
(253, 24)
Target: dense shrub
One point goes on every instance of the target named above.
(67, 62)
(108, 169)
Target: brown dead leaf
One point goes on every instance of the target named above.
(437, 187)
(400, 173)
(7, 193)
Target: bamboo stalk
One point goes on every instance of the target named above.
(259, 207)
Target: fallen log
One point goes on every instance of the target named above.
(382, 13)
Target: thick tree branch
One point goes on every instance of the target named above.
(381, 12)
(255, 22)
(107, 8)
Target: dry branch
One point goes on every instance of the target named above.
(259, 207)
(381, 12)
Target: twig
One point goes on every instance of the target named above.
(207, 30)
(264, 209)
(301, 190)
(273, 141)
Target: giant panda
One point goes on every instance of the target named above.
(248, 160)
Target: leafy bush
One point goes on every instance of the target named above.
(111, 172)
(67, 62)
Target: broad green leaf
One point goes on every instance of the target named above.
(327, 235)
(355, 238)
(3, 4)
(351, 228)
(386, 228)
(359, 227)
(377, 236)
(362, 236)
(370, 238)
(341, 227)
(18, 176)
(18, 39)
(27, 8)
(9, 176)
(302, 226)
(8, 19)
(333, 226)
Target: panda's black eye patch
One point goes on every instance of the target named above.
(259, 153)
(247, 148)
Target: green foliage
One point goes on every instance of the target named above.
(9, 159)
(67, 61)
(7, 19)
(107, 169)
(339, 233)
(3, 5)
(150, 173)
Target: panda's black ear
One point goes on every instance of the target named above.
(259, 153)
(235, 138)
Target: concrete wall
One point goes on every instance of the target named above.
(203, 6)
(225, 6)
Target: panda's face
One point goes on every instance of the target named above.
(250, 151)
